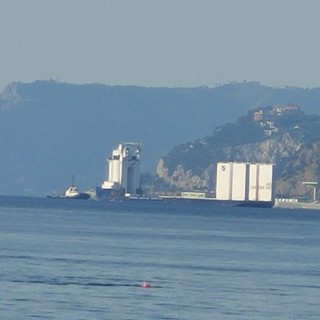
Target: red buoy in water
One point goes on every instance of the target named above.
(145, 284)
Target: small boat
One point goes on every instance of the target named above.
(72, 192)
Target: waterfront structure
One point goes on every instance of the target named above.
(313, 184)
(247, 182)
(123, 171)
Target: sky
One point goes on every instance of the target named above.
(161, 43)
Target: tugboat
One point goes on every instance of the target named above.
(72, 192)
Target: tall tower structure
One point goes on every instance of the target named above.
(124, 168)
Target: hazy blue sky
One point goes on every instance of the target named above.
(175, 43)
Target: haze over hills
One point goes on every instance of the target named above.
(50, 130)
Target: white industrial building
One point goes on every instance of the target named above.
(124, 168)
(245, 182)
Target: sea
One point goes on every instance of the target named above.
(85, 259)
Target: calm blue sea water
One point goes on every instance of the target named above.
(65, 259)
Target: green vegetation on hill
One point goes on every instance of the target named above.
(198, 154)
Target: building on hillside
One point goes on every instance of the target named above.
(268, 117)
(286, 110)
(258, 115)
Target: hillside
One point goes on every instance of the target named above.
(283, 135)
(50, 130)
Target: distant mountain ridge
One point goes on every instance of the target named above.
(50, 131)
